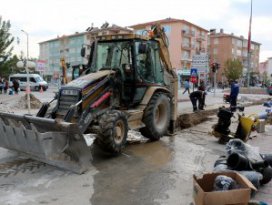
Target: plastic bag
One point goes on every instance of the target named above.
(224, 183)
(221, 164)
(238, 146)
(253, 176)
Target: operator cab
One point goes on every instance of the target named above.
(136, 61)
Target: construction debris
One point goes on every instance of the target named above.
(35, 103)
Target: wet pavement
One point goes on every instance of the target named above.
(148, 173)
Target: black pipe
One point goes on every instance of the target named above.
(267, 158)
(267, 175)
(238, 162)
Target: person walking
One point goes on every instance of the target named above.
(187, 87)
(15, 85)
(1, 85)
(234, 91)
(6, 86)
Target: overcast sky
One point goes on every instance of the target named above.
(47, 19)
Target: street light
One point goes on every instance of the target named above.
(27, 74)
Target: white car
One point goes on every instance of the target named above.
(35, 80)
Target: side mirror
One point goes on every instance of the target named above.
(83, 52)
(142, 49)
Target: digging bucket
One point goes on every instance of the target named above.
(56, 143)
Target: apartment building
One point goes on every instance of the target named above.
(69, 46)
(224, 46)
(265, 68)
(185, 40)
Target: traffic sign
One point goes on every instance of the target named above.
(194, 72)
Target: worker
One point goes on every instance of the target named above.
(199, 96)
(234, 91)
(201, 86)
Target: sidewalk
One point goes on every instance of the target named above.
(214, 100)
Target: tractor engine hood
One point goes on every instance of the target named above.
(86, 80)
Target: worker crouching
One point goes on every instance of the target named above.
(198, 96)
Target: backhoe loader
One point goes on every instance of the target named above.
(129, 83)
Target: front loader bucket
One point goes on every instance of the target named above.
(57, 143)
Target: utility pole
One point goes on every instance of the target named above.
(214, 81)
(27, 74)
(248, 67)
(249, 47)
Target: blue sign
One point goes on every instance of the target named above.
(194, 72)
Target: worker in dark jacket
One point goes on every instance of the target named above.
(199, 96)
(234, 91)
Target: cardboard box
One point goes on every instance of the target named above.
(203, 193)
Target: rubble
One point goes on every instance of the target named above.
(35, 103)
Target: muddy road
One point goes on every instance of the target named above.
(146, 173)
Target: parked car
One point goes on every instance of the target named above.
(35, 80)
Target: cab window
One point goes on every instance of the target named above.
(148, 62)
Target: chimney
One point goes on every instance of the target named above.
(213, 31)
(221, 30)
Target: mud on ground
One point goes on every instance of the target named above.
(35, 103)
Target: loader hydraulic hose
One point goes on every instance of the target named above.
(101, 100)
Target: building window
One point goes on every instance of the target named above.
(203, 36)
(185, 55)
(239, 43)
(186, 42)
(239, 52)
(215, 51)
(167, 29)
(185, 29)
(215, 41)
(193, 32)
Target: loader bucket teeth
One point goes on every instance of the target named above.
(45, 140)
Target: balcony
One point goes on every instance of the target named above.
(186, 46)
(200, 38)
(187, 33)
(186, 59)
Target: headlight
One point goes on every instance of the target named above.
(69, 92)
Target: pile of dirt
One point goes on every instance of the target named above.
(188, 120)
(34, 102)
(4, 108)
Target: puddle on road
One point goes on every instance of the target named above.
(135, 177)
(155, 153)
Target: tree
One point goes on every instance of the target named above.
(5, 46)
(233, 69)
(265, 78)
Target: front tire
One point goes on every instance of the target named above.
(156, 117)
(113, 131)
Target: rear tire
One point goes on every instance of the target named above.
(156, 117)
(113, 131)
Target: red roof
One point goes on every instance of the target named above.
(167, 20)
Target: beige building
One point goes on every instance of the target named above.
(185, 40)
(69, 46)
(224, 46)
